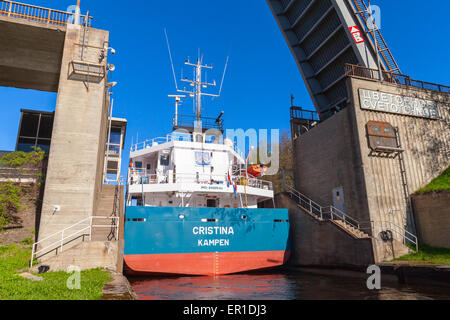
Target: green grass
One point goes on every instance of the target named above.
(14, 259)
(429, 255)
(441, 183)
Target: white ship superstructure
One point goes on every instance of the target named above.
(195, 166)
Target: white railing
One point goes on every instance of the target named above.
(39, 14)
(69, 233)
(403, 235)
(334, 214)
(174, 137)
(151, 143)
(143, 177)
(324, 213)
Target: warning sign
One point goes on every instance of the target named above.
(357, 35)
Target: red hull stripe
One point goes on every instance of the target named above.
(205, 263)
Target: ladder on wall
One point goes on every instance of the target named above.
(405, 186)
(363, 14)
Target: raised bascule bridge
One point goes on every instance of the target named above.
(375, 138)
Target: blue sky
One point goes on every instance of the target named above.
(261, 75)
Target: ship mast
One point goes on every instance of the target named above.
(198, 86)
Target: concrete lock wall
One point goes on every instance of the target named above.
(75, 168)
(432, 213)
(336, 154)
(427, 150)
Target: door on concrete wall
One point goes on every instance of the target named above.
(338, 199)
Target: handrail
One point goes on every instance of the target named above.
(388, 225)
(154, 178)
(398, 79)
(39, 14)
(322, 212)
(180, 137)
(333, 213)
(64, 237)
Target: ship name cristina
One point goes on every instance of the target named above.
(213, 230)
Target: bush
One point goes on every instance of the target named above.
(9, 202)
(20, 159)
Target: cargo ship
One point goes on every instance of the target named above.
(192, 201)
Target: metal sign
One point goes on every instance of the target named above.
(202, 158)
(356, 34)
(381, 136)
(392, 103)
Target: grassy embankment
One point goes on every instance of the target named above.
(441, 183)
(14, 259)
(428, 255)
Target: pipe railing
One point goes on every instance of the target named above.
(393, 78)
(144, 177)
(324, 213)
(40, 14)
(62, 235)
(333, 214)
(376, 227)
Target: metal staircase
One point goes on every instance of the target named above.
(355, 228)
(330, 213)
(364, 16)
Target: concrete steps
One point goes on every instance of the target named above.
(354, 232)
(310, 214)
(350, 229)
(86, 255)
(105, 208)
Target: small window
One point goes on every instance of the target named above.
(164, 160)
(149, 166)
(138, 164)
(211, 203)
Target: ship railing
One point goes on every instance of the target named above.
(81, 229)
(138, 176)
(175, 136)
(150, 143)
(40, 14)
(210, 179)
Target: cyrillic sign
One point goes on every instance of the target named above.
(392, 103)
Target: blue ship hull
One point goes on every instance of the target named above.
(205, 241)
